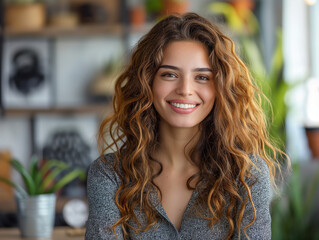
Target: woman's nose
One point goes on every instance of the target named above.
(185, 87)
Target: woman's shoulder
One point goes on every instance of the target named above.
(258, 176)
(105, 166)
(259, 168)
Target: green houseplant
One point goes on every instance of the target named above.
(36, 201)
(245, 26)
(292, 214)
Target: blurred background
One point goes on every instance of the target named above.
(59, 60)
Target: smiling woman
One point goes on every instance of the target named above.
(183, 87)
(189, 141)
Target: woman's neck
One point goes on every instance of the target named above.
(175, 144)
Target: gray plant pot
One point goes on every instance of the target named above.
(36, 215)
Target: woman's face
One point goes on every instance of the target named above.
(183, 87)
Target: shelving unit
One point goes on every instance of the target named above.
(65, 110)
(1, 52)
(79, 31)
(120, 29)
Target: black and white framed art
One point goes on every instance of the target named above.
(26, 80)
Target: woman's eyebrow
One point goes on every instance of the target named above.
(193, 70)
(169, 66)
(202, 70)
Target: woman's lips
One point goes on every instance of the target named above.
(183, 106)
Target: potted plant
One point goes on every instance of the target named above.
(36, 202)
(25, 15)
(175, 6)
(311, 122)
(294, 214)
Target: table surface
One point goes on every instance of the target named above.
(59, 233)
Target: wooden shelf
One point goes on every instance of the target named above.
(79, 31)
(59, 233)
(69, 110)
(10, 206)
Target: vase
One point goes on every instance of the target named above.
(312, 134)
(175, 6)
(311, 121)
(36, 215)
(137, 15)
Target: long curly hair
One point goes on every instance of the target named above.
(235, 128)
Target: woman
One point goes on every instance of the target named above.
(189, 141)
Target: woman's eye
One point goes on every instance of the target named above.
(169, 75)
(202, 78)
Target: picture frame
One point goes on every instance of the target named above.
(26, 77)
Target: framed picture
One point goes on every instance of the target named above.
(26, 73)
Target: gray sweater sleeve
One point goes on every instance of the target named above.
(102, 184)
(261, 196)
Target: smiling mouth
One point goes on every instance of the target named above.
(183, 105)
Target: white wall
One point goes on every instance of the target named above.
(297, 57)
(78, 60)
(15, 138)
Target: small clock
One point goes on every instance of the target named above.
(75, 213)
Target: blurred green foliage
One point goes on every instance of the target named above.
(245, 26)
(292, 214)
(48, 178)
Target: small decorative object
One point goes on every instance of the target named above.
(60, 14)
(243, 4)
(36, 203)
(75, 213)
(25, 15)
(26, 76)
(312, 116)
(138, 15)
(69, 147)
(175, 6)
(6, 193)
(64, 20)
(102, 87)
(243, 8)
(92, 13)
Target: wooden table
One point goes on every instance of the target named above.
(59, 233)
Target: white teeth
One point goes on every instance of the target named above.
(182, 105)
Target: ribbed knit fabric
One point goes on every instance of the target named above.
(103, 183)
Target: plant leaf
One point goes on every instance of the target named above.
(276, 62)
(30, 184)
(253, 56)
(46, 167)
(229, 12)
(296, 193)
(312, 191)
(66, 179)
(33, 167)
(48, 180)
(16, 186)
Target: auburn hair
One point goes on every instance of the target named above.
(234, 129)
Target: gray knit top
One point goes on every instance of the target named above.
(103, 183)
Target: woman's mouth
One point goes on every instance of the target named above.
(183, 108)
(182, 105)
